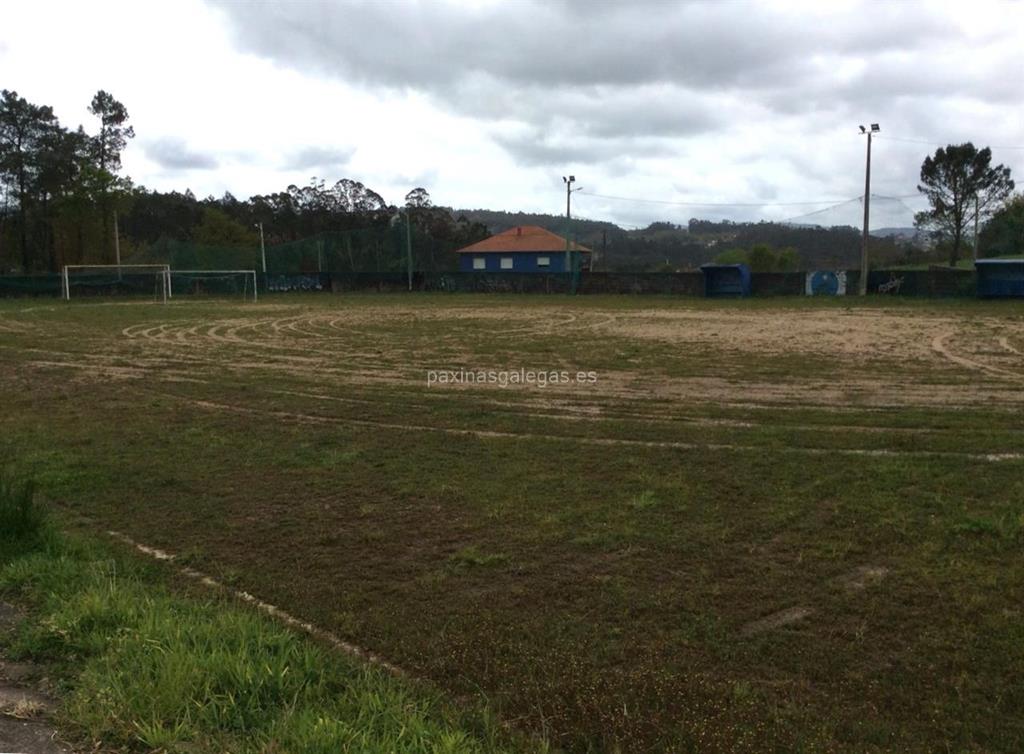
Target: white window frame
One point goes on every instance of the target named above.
(543, 261)
(507, 263)
(479, 263)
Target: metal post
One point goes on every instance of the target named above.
(263, 248)
(568, 226)
(975, 227)
(408, 244)
(867, 214)
(117, 246)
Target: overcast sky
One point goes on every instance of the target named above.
(488, 104)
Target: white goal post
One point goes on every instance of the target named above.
(249, 276)
(89, 273)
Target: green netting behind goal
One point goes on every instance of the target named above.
(214, 283)
(376, 250)
(148, 285)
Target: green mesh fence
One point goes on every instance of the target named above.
(215, 284)
(93, 283)
(13, 286)
(369, 250)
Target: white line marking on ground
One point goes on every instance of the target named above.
(272, 610)
(487, 434)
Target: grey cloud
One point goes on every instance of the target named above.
(433, 45)
(323, 158)
(425, 178)
(174, 154)
(612, 70)
(539, 150)
(564, 82)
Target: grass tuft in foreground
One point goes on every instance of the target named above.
(145, 669)
(23, 522)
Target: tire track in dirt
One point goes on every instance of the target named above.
(940, 345)
(595, 441)
(1005, 343)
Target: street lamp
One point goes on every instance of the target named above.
(568, 181)
(874, 129)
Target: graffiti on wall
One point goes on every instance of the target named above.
(285, 283)
(892, 285)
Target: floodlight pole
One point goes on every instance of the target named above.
(568, 219)
(117, 246)
(867, 211)
(408, 245)
(975, 227)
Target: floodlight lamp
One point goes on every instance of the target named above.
(862, 129)
(874, 128)
(572, 179)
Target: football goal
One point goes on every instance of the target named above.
(141, 280)
(214, 283)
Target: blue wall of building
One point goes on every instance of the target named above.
(522, 261)
(1000, 277)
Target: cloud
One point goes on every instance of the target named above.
(173, 154)
(535, 148)
(325, 159)
(434, 45)
(601, 79)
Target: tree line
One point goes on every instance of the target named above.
(63, 200)
(59, 185)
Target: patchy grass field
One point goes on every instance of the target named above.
(774, 524)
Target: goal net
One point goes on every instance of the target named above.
(152, 281)
(214, 283)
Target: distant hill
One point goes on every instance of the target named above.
(498, 221)
(908, 233)
(665, 245)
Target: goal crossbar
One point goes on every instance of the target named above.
(163, 269)
(247, 273)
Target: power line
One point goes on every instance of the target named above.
(831, 202)
(887, 137)
(711, 204)
(856, 199)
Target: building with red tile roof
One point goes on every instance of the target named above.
(524, 248)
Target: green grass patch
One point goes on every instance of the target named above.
(143, 669)
(588, 557)
(23, 522)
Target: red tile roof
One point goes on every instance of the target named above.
(522, 238)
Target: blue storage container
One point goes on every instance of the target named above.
(726, 280)
(999, 278)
